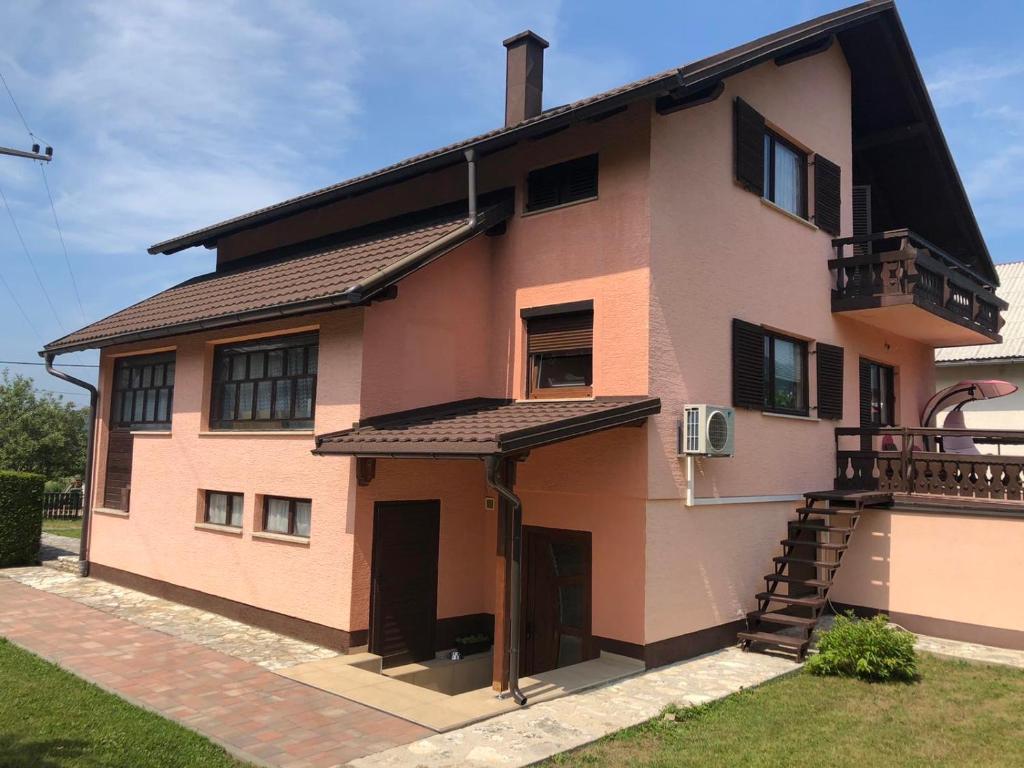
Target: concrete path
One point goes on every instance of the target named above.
(540, 731)
(255, 714)
(258, 646)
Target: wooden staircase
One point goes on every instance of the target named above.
(811, 555)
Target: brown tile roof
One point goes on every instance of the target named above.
(484, 426)
(322, 278)
(694, 75)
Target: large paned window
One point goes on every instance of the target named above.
(265, 384)
(143, 392)
(785, 175)
(560, 346)
(287, 516)
(785, 374)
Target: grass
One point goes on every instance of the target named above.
(51, 719)
(959, 714)
(70, 528)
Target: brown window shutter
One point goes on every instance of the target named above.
(830, 381)
(862, 216)
(560, 333)
(747, 365)
(865, 393)
(749, 146)
(827, 191)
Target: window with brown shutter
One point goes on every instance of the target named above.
(560, 348)
(830, 381)
(748, 138)
(877, 394)
(567, 182)
(747, 365)
(827, 191)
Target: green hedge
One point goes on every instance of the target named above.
(869, 649)
(21, 517)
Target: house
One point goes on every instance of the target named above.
(1003, 361)
(444, 398)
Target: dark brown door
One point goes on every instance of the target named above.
(556, 599)
(403, 598)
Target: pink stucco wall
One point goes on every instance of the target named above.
(159, 538)
(943, 566)
(719, 252)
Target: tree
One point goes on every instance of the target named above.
(39, 432)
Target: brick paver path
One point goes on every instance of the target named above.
(255, 714)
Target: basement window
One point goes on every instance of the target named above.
(224, 509)
(287, 516)
(561, 184)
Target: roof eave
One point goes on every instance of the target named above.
(682, 80)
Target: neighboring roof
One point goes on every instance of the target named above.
(1011, 279)
(335, 275)
(883, 46)
(484, 427)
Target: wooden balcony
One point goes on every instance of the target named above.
(911, 464)
(898, 281)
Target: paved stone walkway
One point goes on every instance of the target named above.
(545, 729)
(257, 715)
(267, 649)
(53, 547)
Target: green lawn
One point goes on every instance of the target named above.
(957, 715)
(72, 528)
(51, 719)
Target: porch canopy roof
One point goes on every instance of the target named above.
(344, 270)
(484, 427)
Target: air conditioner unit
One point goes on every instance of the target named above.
(707, 430)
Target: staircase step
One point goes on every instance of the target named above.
(773, 638)
(774, 617)
(863, 498)
(816, 525)
(829, 510)
(817, 583)
(818, 544)
(802, 561)
(808, 601)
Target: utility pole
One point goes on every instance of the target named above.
(35, 154)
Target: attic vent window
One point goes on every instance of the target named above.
(561, 184)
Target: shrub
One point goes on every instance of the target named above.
(21, 517)
(869, 649)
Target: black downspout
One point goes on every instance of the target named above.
(90, 451)
(515, 575)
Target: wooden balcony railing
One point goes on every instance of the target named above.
(911, 461)
(898, 266)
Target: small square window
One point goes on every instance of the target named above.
(224, 509)
(561, 354)
(292, 517)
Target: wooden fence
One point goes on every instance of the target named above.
(62, 506)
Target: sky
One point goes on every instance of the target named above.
(173, 115)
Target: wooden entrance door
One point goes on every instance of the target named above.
(556, 599)
(403, 596)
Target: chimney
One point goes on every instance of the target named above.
(524, 76)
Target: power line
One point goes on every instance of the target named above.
(21, 309)
(67, 259)
(31, 261)
(62, 365)
(17, 109)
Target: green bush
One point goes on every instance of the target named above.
(21, 517)
(869, 649)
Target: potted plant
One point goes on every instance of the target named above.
(469, 644)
